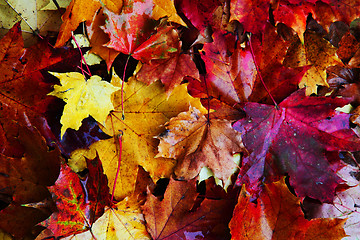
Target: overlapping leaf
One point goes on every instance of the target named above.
(146, 108)
(169, 71)
(122, 221)
(320, 54)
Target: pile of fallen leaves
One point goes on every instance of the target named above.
(180, 119)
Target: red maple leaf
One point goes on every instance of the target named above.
(134, 32)
(293, 138)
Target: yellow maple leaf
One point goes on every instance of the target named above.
(147, 109)
(83, 98)
(124, 221)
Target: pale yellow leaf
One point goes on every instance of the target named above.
(83, 98)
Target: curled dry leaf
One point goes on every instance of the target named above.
(197, 142)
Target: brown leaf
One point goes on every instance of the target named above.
(197, 142)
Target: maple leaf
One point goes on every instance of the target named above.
(134, 32)
(169, 71)
(79, 203)
(231, 73)
(196, 142)
(83, 98)
(320, 54)
(122, 221)
(228, 81)
(293, 139)
(147, 108)
(278, 215)
(174, 216)
(280, 80)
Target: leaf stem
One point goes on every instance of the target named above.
(258, 70)
(118, 168)
(82, 57)
(122, 89)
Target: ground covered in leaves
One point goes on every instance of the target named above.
(169, 119)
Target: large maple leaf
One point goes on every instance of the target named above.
(146, 110)
(293, 138)
(277, 215)
(174, 216)
(197, 142)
